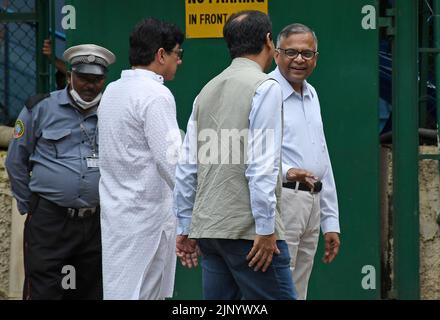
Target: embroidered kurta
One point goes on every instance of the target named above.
(139, 143)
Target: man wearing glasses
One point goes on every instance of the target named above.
(309, 198)
(139, 137)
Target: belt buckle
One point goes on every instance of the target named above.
(85, 212)
(317, 186)
(71, 212)
(80, 213)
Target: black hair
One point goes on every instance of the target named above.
(245, 32)
(150, 35)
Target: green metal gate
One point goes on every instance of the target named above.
(346, 79)
(24, 70)
(17, 56)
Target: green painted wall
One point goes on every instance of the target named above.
(346, 79)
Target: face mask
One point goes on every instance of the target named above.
(80, 102)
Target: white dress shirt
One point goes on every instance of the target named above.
(265, 114)
(304, 145)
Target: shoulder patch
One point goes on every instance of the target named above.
(18, 129)
(32, 101)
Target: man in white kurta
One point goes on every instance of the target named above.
(139, 141)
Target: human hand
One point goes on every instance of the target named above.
(332, 244)
(262, 252)
(300, 175)
(187, 250)
(47, 48)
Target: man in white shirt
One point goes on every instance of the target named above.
(309, 198)
(139, 141)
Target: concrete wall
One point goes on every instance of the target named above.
(11, 240)
(429, 227)
(5, 227)
(429, 210)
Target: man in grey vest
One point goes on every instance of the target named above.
(228, 180)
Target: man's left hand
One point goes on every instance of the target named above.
(332, 244)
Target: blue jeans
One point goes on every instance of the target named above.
(227, 276)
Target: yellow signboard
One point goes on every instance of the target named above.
(206, 18)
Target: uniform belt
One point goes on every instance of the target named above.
(73, 213)
(82, 212)
(303, 186)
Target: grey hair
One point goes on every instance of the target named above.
(295, 28)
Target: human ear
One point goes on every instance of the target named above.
(269, 40)
(160, 55)
(68, 76)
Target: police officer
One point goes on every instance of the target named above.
(53, 168)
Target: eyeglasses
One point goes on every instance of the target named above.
(293, 53)
(179, 53)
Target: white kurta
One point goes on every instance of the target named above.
(138, 145)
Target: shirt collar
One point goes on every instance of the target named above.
(307, 92)
(287, 87)
(143, 73)
(240, 61)
(62, 96)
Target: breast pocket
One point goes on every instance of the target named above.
(59, 142)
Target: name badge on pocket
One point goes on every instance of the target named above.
(92, 162)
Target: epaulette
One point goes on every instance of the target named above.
(32, 101)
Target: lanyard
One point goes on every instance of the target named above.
(91, 139)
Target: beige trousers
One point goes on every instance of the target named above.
(300, 212)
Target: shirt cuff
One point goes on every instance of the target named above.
(264, 227)
(284, 169)
(330, 225)
(183, 226)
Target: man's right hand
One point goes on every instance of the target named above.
(187, 250)
(300, 175)
(262, 252)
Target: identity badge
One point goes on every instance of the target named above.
(92, 162)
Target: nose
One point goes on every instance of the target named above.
(299, 58)
(90, 85)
